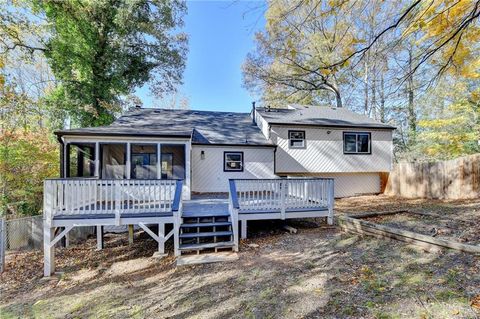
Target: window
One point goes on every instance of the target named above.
(233, 162)
(144, 161)
(296, 139)
(356, 143)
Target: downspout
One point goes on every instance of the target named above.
(275, 160)
(62, 156)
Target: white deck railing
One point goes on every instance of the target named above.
(95, 196)
(263, 195)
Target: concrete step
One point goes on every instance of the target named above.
(206, 234)
(206, 258)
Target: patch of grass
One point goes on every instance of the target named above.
(384, 315)
(266, 293)
(136, 312)
(449, 295)
(242, 279)
(345, 242)
(259, 307)
(376, 285)
(257, 272)
(452, 278)
(371, 282)
(310, 265)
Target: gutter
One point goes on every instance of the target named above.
(60, 134)
(387, 127)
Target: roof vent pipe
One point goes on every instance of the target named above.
(253, 114)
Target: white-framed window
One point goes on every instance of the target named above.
(233, 161)
(296, 139)
(357, 143)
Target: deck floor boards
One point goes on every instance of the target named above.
(205, 207)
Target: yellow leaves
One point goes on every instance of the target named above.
(453, 132)
(325, 72)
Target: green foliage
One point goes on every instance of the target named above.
(455, 132)
(26, 159)
(101, 50)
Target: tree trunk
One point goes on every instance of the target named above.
(365, 83)
(333, 87)
(373, 107)
(411, 114)
(382, 98)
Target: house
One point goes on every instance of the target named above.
(206, 149)
(145, 168)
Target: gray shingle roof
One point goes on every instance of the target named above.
(320, 116)
(205, 127)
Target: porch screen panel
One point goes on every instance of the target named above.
(144, 161)
(113, 161)
(80, 160)
(173, 161)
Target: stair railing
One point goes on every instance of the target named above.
(233, 207)
(177, 207)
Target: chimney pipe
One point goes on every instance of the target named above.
(253, 114)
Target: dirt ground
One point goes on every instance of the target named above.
(454, 220)
(320, 272)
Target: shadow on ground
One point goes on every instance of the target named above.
(319, 272)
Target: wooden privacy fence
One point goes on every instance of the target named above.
(453, 179)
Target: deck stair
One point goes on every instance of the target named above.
(206, 232)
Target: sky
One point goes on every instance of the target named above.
(221, 33)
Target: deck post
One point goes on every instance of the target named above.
(67, 240)
(128, 164)
(283, 191)
(161, 236)
(48, 250)
(186, 187)
(100, 237)
(159, 161)
(244, 228)
(97, 159)
(330, 202)
(130, 234)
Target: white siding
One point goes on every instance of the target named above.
(208, 175)
(324, 152)
(263, 125)
(352, 184)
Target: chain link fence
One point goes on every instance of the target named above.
(2, 244)
(26, 233)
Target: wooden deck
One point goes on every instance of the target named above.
(201, 224)
(205, 206)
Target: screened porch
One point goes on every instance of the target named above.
(127, 160)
